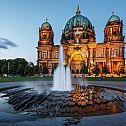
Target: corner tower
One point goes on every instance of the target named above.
(114, 29)
(44, 48)
(114, 41)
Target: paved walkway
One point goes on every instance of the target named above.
(116, 84)
(106, 120)
(121, 84)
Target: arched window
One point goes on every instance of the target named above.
(115, 53)
(77, 71)
(44, 54)
(77, 23)
(99, 53)
(44, 36)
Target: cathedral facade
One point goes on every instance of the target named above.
(80, 46)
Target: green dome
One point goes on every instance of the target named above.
(78, 20)
(113, 18)
(46, 25)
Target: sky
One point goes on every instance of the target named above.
(20, 21)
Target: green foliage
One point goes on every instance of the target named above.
(27, 78)
(106, 78)
(22, 63)
(1, 65)
(18, 66)
(36, 69)
(96, 70)
(4, 69)
(105, 70)
(84, 69)
(29, 71)
(45, 70)
(121, 70)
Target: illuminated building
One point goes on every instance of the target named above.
(80, 46)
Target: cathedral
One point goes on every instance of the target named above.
(80, 46)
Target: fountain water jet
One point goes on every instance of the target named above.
(62, 76)
(83, 82)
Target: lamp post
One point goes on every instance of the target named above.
(8, 67)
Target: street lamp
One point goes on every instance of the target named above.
(8, 67)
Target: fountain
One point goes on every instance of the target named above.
(63, 100)
(83, 82)
(88, 101)
(62, 76)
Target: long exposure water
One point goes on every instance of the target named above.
(62, 75)
(36, 91)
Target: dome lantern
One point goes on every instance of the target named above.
(46, 25)
(114, 18)
(78, 10)
(46, 34)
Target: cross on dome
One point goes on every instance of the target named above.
(78, 10)
(112, 12)
(46, 19)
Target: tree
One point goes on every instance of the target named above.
(13, 64)
(29, 71)
(96, 70)
(1, 65)
(45, 70)
(36, 69)
(84, 69)
(22, 63)
(105, 70)
(4, 69)
(11, 67)
(121, 70)
(19, 66)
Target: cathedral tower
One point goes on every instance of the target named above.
(114, 40)
(114, 29)
(45, 44)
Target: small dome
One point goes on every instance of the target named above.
(113, 18)
(46, 25)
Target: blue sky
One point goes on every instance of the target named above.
(21, 19)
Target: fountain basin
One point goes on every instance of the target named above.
(82, 101)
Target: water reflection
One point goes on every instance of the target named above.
(72, 121)
(4, 106)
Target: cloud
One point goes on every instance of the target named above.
(5, 43)
(3, 47)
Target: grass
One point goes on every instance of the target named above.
(106, 78)
(16, 79)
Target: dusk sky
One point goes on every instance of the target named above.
(20, 21)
